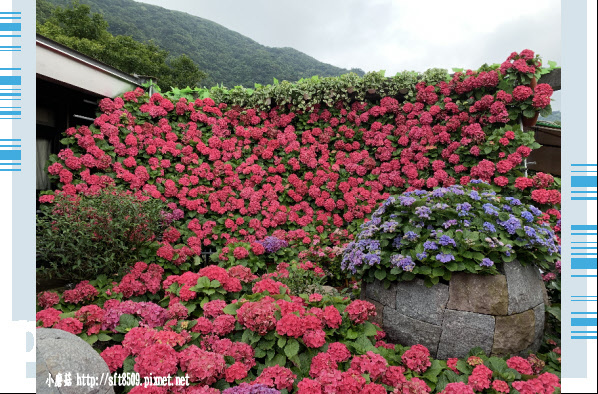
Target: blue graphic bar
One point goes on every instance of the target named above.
(10, 112)
(583, 313)
(583, 322)
(583, 227)
(583, 338)
(584, 165)
(583, 181)
(10, 154)
(584, 332)
(11, 94)
(10, 80)
(583, 264)
(10, 27)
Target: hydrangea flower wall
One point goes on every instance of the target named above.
(231, 174)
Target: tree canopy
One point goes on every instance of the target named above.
(78, 28)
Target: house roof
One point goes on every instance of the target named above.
(58, 63)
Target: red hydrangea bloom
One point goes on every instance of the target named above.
(359, 311)
(258, 316)
(240, 253)
(202, 366)
(452, 364)
(417, 358)
(82, 292)
(501, 386)
(224, 324)
(277, 377)
(137, 339)
(213, 308)
(47, 299)
(271, 286)
(521, 365)
(70, 324)
(521, 93)
(237, 371)
(457, 388)
(394, 376)
(416, 386)
(523, 183)
(114, 356)
(480, 378)
(290, 325)
(321, 363)
(370, 363)
(204, 326)
(314, 338)
(338, 352)
(48, 317)
(242, 273)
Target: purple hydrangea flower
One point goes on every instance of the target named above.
(273, 244)
(449, 223)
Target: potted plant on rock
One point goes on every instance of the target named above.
(456, 268)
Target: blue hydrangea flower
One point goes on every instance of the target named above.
(529, 231)
(490, 209)
(489, 227)
(511, 225)
(410, 236)
(389, 227)
(513, 200)
(371, 259)
(440, 192)
(423, 212)
(527, 216)
(444, 258)
(445, 240)
(406, 201)
(421, 256)
(397, 242)
(430, 245)
(475, 195)
(486, 262)
(535, 210)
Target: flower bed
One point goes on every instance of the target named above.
(231, 330)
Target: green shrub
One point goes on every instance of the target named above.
(80, 237)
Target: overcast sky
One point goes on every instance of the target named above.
(392, 35)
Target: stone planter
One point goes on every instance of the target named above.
(502, 314)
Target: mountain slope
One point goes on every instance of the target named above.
(226, 56)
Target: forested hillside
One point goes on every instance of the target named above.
(227, 57)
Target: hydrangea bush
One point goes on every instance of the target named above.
(435, 233)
